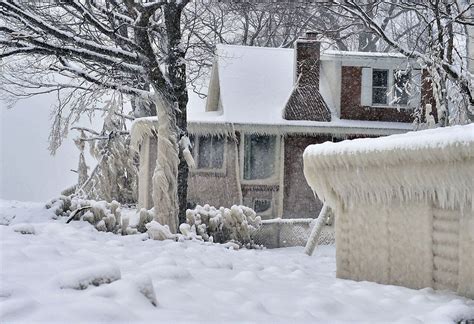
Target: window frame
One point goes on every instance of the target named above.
(195, 153)
(387, 94)
(276, 172)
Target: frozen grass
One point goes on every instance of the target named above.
(187, 281)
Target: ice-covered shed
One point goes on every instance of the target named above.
(404, 206)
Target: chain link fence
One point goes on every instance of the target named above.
(276, 233)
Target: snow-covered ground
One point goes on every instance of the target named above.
(192, 281)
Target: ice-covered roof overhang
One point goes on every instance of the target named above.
(434, 165)
(147, 126)
(305, 128)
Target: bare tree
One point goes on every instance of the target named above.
(441, 32)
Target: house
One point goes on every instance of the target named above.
(403, 205)
(266, 105)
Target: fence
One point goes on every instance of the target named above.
(276, 233)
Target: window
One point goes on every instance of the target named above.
(209, 152)
(259, 156)
(379, 87)
(401, 80)
(390, 87)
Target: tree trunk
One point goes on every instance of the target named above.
(177, 76)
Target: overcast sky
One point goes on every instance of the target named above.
(27, 170)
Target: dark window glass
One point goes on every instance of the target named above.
(379, 86)
(401, 84)
(259, 156)
(261, 205)
(211, 152)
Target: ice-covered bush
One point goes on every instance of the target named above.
(222, 225)
(104, 216)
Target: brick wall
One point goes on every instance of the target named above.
(351, 82)
(298, 199)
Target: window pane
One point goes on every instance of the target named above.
(211, 152)
(401, 82)
(217, 152)
(205, 151)
(379, 96)
(261, 205)
(380, 78)
(259, 156)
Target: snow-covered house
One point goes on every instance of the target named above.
(403, 205)
(266, 105)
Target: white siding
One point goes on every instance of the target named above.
(366, 88)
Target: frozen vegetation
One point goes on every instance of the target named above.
(57, 272)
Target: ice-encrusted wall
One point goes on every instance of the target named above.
(403, 206)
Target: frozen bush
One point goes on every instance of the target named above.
(104, 216)
(223, 225)
(159, 232)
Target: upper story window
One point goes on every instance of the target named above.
(379, 87)
(390, 87)
(259, 156)
(209, 152)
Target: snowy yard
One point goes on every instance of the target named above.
(192, 281)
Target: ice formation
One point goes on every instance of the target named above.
(431, 153)
(165, 193)
(403, 206)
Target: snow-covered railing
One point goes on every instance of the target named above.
(403, 206)
(276, 233)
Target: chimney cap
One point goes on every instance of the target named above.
(311, 35)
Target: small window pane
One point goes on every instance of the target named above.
(401, 83)
(217, 152)
(262, 205)
(259, 156)
(211, 152)
(380, 78)
(205, 152)
(379, 87)
(379, 96)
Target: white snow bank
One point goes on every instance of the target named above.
(84, 277)
(193, 282)
(24, 228)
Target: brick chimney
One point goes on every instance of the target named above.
(306, 103)
(307, 54)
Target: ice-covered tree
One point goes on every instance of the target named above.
(89, 48)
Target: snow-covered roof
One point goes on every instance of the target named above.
(255, 83)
